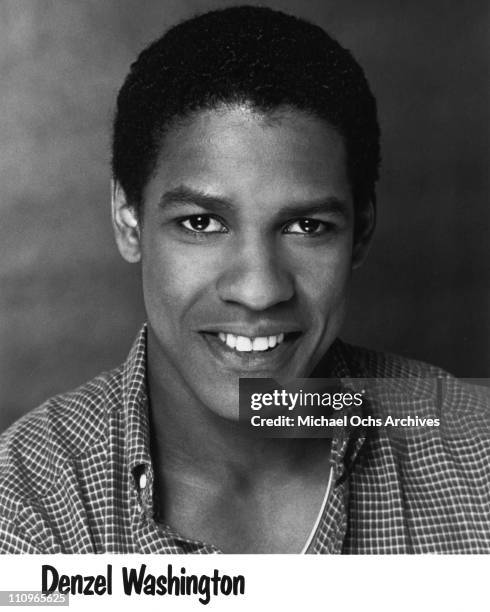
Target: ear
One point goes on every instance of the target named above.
(363, 233)
(125, 224)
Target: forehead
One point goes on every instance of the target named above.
(241, 153)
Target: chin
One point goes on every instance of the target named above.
(216, 396)
(226, 406)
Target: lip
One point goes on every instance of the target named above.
(252, 331)
(247, 363)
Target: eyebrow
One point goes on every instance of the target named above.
(186, 195)
(331, 205)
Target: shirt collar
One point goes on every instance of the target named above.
(346, 445)
(135, 403)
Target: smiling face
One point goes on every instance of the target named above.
(246, 245)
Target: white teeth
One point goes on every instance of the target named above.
(243, 344)
(260, 344)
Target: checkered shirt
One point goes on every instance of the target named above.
(70, 471)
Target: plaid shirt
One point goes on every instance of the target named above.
(76, 474)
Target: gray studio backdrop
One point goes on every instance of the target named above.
(69, 307)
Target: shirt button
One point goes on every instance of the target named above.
(142, 481)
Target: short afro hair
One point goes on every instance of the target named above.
(245, 55)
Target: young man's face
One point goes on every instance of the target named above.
(246, 247)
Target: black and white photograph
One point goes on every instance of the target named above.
(201, 196)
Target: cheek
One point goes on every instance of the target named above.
(323, 279)
(174, 278)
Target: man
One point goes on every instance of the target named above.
(245, 157)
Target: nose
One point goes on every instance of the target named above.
(255, 276)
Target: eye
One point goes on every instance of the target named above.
(306, 227)
(202, 224)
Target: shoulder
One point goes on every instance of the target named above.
(464, 407)
(34, 450)
(377, 364)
